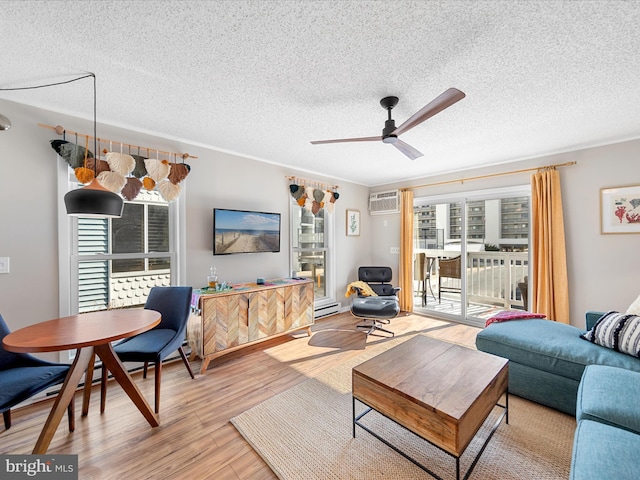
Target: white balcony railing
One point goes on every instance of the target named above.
(492, 277)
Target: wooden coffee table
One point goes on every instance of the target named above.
(440, 391)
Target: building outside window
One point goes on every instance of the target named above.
(475, 219)
(510, 230)
(514, 224)
(426, 232)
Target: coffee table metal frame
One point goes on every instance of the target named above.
(356, 421)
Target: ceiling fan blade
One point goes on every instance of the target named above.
(445, 100)
(342, 140)
(407, 149)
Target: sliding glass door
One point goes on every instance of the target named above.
(471, 254)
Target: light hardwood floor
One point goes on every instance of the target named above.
(195, 439)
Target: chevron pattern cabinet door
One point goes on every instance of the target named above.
(302, 306)
(308, 304)
(271, 312)
(243, 319)
(287, 299)
(264, 310)
(253, 308)
(232, 323)
(209, 324)
(281, 294)
(226, 322)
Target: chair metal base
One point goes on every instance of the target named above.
(424, 292)
(374, 326)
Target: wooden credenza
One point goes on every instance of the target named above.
(249, 314)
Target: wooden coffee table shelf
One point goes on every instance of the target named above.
(440, 391)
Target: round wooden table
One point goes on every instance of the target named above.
(91, 334)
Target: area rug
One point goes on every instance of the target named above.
(306, 433)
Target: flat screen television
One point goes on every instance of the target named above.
(243, 231)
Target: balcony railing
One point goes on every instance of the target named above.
(492, 277)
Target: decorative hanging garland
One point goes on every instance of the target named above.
(312, 198)
(123, 173)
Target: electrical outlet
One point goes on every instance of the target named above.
(395, 250)
(4, 264)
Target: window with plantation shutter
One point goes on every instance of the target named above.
(93, 276)
(117, 261)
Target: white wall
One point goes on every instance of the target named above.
(603, 270)
(29, 206)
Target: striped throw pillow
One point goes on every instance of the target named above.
(618, 331)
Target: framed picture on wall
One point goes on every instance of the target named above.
(353, 223)
(620, 209)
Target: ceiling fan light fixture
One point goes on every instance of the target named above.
(390, 139)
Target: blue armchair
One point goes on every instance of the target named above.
(23, 376)
(174, 304)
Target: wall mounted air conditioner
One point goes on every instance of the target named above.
(384, 202)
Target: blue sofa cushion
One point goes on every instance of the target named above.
(602, 451)
(618, 331)
(609, 395)
(549, 346)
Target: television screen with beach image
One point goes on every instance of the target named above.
(240, 231)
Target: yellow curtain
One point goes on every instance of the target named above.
(550, 290)
(406, 251)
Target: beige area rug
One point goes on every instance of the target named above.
(306, 433)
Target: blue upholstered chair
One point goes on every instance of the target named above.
(23, 376)
(174, 304)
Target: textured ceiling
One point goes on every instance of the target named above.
(264, 78)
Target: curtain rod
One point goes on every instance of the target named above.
(60, 130)
(312, 182)
(491, 175)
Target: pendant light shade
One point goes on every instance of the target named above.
(93, 201)
(5, 124)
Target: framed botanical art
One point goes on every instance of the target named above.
(353, 223)
(620, 209)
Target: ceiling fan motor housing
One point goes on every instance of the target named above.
(389, 128)
(390, 125)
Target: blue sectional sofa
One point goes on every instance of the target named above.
(607, 438)
(550, 364)
(547, 359)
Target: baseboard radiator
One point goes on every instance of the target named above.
(325, 310)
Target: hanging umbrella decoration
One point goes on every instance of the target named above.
(123, 173)
(312, 198)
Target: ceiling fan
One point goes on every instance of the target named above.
(390, 133)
